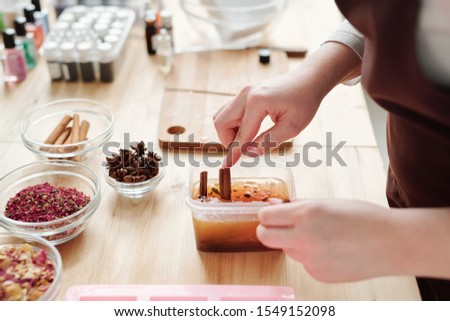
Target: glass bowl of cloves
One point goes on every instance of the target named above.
(134, 172)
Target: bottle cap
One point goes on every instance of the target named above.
(105, 51)
(19, 25)
(84, 50)
(28, 12)
(37, 4)
(8, 38)
(264, 56)
(50, 50)
(166, 18)
(67, 49)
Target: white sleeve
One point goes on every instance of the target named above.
(347, 35)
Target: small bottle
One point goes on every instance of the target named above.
(41, 17)
(13, 58)
(166, 22)
(164, 51)
(26, 40)
(85, 54)
(2, 17)
(106, 62)
(69, 65)
(150, 31)
(31, 26)
(52, 55)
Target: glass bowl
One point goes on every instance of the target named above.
(40, 122)
(57, 173)
(38, 243)
(135, 190)
(232, 22)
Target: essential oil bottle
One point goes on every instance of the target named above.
(33, 27)
(13, 58)
(41, 16)
(26, 40)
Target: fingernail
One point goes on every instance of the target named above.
(253, 152)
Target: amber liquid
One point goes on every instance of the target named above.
(238, 235)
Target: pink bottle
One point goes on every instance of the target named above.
(13, 59)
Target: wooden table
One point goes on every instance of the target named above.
(152, 241)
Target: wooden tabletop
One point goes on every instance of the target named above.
(152, 241)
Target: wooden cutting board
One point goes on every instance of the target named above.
(199, 85)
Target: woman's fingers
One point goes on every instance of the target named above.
(248, 128)
(275, 237)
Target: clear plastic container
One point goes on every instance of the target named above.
(231, 226)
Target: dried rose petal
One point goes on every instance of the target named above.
(25, 273)
(45, 203)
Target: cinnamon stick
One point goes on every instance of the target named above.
(58, 130)
(84, 128)
(203, 189)
(61, 139)
(225, 183)
(76, 129)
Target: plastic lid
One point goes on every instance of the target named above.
(37, 4)
(50, 50)
(101, 29)
(84, 49)
(8, 38)
(166, 18)
(78, 11)
(67, 49)
(106, 52)
(19, 25)
(112, 39)
(28, 12)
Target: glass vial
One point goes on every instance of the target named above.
(68, 65)
(32, 26)
(166, 22)
(106, 62)
(150, 31)
(26, 40)
(53, 58)
(85, 55)
(164, 51)
(13, 58)
(41, 17)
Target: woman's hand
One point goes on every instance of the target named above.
(335, 240)
(290, 100)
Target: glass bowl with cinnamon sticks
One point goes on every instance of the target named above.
(67, 129)
(225, 203)
(53, 199)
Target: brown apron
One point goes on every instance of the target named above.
(418, 128)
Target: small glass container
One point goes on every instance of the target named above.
(135, 190)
